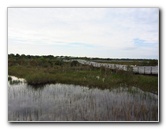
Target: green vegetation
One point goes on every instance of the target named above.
(40, 70)
(131, 62)
(122, 61)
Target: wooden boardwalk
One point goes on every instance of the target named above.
(147, 70)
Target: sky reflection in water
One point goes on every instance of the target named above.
(62, 102)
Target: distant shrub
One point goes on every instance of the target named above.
(74, 63)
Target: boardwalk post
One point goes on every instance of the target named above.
(151, 70)
(138, 69)
(144, 70)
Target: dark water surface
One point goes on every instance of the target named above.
(62, 102)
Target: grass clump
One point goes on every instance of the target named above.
(40, 79)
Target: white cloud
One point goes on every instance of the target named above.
(110, 28)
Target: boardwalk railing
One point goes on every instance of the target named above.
(145, 69)
(151, 70)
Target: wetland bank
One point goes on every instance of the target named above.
(48, 88)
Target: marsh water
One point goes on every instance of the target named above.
(63, 102)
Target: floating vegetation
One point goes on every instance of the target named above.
(14, 80)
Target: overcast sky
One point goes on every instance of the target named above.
(90, 32)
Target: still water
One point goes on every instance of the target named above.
(63, 102)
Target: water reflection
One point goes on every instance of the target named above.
(61, 102)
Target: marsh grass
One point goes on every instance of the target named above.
(131, 62)
(40, 78)
(46, 101)
(102, 78)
